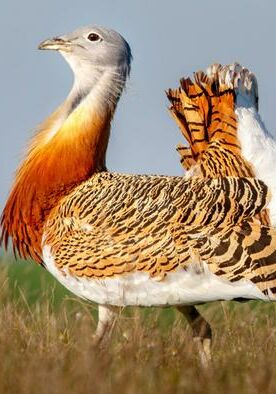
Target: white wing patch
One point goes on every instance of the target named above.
(259, 148)
(137, 288)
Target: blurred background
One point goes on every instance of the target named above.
(169, 39)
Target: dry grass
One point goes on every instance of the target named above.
(46, 347)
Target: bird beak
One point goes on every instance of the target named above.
(56, 44)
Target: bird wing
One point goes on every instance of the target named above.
(246, 251)
(114, 224)
(186, 156)
(190, 108)
(204, 109)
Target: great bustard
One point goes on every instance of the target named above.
(120, 239)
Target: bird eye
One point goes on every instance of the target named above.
(93, 37)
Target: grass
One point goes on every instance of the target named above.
(46, 346)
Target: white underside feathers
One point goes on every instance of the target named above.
(137, 288)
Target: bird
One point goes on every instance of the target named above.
(118, 239)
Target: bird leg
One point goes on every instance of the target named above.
(106, 318)
(202, 334)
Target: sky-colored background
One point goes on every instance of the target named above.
(169, 39)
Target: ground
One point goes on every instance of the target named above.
(46, 344)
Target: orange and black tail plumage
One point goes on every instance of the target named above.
(204, 109)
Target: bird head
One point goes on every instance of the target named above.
(93, 48)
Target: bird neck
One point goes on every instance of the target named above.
(68, 148)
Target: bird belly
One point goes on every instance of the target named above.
(184, 286)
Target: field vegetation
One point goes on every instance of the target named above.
(46, 344)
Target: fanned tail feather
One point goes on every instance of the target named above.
(238, 78)
(186, 156)
(204, 111)
(189, 108)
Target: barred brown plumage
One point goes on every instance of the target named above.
(186, 156)
(210, 105)
(153, 224)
